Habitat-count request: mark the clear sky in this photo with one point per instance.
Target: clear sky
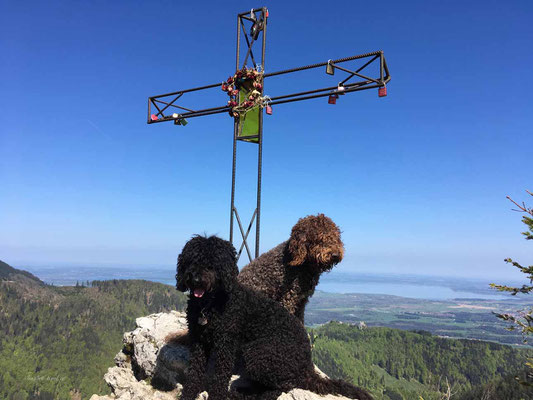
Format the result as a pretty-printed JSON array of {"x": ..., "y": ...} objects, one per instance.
[{"x": 417, "y": 180}]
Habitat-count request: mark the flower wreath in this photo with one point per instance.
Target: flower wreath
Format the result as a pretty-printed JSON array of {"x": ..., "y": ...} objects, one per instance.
[{"x": 251, "y": 82}]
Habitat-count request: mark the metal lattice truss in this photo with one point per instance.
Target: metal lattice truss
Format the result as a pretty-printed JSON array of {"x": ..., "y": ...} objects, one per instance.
[{"x": 360, "y": 72}]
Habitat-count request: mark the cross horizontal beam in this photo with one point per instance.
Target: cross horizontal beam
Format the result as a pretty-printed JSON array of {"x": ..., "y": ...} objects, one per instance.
[{"x": 164, "y": 105}]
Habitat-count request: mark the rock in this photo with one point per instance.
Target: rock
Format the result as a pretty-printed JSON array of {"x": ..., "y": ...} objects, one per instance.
[
  {"x": 149, "y": 368},
  {"x": 150, "y": 354},
  {"x": 126, "y": 387}
]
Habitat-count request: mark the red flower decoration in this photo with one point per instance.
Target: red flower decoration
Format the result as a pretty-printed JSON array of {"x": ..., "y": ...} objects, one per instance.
[{"x": 231, "y": 86}]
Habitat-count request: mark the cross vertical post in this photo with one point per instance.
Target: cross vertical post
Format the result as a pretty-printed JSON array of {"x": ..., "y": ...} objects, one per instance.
[{"x": 258, "y": 19}]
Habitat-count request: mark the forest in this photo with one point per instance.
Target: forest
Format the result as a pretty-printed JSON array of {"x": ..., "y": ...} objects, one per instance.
[
  {"x": 57, "y": 342},
  {"x": 396, "y": 364}
]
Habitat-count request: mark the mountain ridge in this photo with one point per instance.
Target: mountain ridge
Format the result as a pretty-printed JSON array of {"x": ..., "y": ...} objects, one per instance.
[{"x": 8, "y": 272}]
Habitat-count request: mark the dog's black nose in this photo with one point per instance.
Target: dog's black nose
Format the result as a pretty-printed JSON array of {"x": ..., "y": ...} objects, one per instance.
[
  {"x": 196, "y": 280},
  {"x": 335, "y": 257}
]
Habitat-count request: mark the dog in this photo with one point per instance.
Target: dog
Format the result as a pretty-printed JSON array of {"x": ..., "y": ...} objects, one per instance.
[
  {"x": 290, "y": 271},
  {"x": 227, "y": 320}
]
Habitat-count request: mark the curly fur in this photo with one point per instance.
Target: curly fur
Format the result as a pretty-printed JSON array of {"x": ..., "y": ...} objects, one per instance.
[
  {"x": 225, "y": 319},
  {"x": 290, "y": 271}
]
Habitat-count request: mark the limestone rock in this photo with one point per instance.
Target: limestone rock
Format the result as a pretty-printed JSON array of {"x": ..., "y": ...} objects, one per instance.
[
  {"x": 126, "y": 387},
  {"x": 150, "y": 354}
]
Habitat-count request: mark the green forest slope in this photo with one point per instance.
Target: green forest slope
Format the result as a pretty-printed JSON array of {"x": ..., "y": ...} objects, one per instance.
[
  {"x": 396, "y": 364},
  {"x": 57, "y": 342}
]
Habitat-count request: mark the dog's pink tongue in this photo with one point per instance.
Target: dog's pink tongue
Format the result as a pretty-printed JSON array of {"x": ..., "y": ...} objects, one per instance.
[{"x": 199, "y": 292}]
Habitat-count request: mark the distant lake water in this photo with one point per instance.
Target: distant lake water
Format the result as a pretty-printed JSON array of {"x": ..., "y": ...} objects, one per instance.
[
  {"x": 414, "y": 286},
  {"x": 417, "y": 291}
]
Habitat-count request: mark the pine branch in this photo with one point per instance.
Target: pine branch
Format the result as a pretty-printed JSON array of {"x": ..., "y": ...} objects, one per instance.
[
  {"x": 523, "y": 320},
  {"x": 529, "y": 222},
  {"x": 522, "y": 207},
  {"x": 514, "y": 290}
]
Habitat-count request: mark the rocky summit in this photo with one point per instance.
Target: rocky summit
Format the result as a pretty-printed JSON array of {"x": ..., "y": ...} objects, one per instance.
[{"x": 151, "y": 367}]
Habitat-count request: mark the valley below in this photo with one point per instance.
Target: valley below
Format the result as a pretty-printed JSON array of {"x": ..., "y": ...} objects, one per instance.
[{"x": 468, "y": 318}]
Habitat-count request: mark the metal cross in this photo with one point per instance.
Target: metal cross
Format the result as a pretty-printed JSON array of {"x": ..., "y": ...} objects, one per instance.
[{"x": 252, "y": 27}]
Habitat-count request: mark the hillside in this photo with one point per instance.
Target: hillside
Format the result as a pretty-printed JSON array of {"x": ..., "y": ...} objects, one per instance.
[
  {"x": 57, "y": 342},
  {"x": 398, "y": 364},
  {"x": 8, "y": 273}
]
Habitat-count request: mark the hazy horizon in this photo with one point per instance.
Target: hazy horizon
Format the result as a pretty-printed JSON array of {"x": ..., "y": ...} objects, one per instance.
[
  {"x": 339, "y": 280},
  {"x": 340, "y": 269}
]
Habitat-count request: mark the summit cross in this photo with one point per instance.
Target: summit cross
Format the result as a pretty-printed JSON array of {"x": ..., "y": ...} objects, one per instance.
[{"x": 245, "y": 91}]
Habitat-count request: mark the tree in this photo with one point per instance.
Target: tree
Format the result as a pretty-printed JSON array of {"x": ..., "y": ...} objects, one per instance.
[{"x": 522, "y": 319}]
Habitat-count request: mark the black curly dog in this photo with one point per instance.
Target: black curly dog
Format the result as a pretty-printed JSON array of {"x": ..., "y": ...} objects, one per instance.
[{"x": 227, "y": 320}]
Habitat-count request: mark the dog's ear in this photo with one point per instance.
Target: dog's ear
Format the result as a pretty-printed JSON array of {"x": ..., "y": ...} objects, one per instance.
[
  {"x": 225, "y": 259},
  {"x": 298, "y": 243},
  {"x": 180, "y": 275}
]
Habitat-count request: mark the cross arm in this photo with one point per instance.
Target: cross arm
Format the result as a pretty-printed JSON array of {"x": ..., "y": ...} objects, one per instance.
[{"x": 165, "y": 107}]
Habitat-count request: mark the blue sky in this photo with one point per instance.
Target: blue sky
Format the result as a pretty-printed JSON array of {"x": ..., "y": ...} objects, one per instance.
[{"x": 417, "y": 180}]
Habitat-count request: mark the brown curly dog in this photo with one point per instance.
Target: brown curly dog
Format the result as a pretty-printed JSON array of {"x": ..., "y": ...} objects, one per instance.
[{"x": 290, "y": 271}]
